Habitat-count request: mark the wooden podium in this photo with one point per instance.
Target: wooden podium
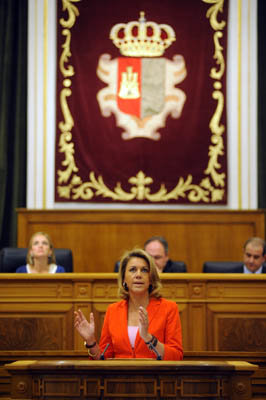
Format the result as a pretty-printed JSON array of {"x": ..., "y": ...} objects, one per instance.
[{"x": 130, "y": 379}]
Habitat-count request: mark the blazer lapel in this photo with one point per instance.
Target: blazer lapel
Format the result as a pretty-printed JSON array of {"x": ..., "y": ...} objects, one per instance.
[
  {"x": 122, "y": 322},
  {"x": 153, "y": 308}
]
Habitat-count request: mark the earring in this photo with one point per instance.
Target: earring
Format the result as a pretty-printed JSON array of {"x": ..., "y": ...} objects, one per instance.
[
  {"x": 125, "y": 286},
  {"x": 150, "y": 288}
]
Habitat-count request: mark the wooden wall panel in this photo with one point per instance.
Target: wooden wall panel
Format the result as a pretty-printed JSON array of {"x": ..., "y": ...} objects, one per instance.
[
  {"x": 33, "y": 326},
  {"x": 197, "y": 327},
  {"x": 99, "y": 310},
  {"x": 98, "y": 238},
  {"x": 184, "y": 317},
  {"x": 235, "y": 327},
  {"x": 219, "y": 312}
]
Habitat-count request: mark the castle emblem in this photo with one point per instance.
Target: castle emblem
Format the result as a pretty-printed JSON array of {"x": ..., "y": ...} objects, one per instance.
[{"x": 140, "y": 89}]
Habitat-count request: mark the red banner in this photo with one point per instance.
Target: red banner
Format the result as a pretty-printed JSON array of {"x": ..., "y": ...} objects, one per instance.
[{"x": 141, "y": 102}]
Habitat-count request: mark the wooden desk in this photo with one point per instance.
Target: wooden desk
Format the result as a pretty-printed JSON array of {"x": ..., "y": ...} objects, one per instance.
[
  {"x": 258, "y": 378},
  {"x": 118, "y": 380}
]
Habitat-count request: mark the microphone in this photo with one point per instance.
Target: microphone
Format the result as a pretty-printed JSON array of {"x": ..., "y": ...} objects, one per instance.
[
  {"x": 102, "y": 354},
  {"x": 151, "y": 347}
]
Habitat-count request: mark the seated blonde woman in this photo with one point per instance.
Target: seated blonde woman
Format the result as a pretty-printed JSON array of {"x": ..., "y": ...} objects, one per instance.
[{"x": 40, "y": 256}]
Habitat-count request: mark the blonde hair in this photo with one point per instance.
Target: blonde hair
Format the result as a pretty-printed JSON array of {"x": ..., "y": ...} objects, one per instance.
[
  {"x": 155, "y": 282},
  {"x": 51, "y": 258}
]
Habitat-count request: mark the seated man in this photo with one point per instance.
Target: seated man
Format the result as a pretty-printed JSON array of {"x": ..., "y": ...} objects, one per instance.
[
  {"x": 254, "y": 256},
  {"x": 157, "y": 247}
]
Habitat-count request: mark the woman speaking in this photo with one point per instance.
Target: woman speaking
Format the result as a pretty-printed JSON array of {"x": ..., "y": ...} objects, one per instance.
[{"x": 142, "y": 324}]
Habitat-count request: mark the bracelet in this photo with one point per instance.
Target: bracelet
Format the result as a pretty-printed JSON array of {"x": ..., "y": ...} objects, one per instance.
[
  {"x": 89, "y": 346},
  {"x": 150, "y": 341},
  {"x": 153, "y": 341},
  {"x": 92, "y": 355}
]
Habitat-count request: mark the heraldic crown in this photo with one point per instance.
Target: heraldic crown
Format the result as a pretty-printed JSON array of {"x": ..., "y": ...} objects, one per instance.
[{"x": 141, "y": 38}]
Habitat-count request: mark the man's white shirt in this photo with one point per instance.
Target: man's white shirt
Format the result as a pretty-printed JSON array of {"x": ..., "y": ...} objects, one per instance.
[{"x": 247, "y": 271}]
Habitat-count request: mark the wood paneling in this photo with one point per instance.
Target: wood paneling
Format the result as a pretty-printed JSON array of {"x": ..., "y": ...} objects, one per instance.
[
  {"x": 99, "y": 237},
  {"x": 223, "y": 317},
  {"x": 219, "y": 312},
  {"x": 119, "y": 380}
]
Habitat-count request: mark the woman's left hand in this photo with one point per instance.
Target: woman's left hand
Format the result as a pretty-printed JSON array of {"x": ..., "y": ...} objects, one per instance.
[{"x": 143, "y": 324}]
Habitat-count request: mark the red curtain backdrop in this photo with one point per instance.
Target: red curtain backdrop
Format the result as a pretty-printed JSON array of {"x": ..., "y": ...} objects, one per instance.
[{"x": 111, "y": 145}]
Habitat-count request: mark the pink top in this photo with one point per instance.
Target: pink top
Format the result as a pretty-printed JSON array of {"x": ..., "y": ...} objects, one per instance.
[{"x": 132, "y": 333}]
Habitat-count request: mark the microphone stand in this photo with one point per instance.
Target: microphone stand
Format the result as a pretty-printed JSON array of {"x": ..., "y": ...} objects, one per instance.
[
  {"x": 151, "y": 347},
  {"x": 102, "y": 355}
]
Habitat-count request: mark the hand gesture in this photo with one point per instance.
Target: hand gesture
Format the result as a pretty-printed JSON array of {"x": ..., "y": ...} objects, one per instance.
[
  {"x": 143, "y": 323},
  {"x": 85, "y": 329}
]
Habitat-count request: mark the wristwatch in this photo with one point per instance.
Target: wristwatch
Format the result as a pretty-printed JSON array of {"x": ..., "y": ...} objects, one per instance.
[{"x": 89, "y": 346}]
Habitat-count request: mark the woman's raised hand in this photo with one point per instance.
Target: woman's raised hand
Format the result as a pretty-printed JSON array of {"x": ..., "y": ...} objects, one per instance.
[
  {"x": 85, "y": 329},
  {"x": 143, "y": 323}
]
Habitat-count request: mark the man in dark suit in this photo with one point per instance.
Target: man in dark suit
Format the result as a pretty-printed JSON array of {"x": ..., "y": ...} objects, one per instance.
[
  {"x": 157, "y": 247},
  {"x": 254, "y": 256}
]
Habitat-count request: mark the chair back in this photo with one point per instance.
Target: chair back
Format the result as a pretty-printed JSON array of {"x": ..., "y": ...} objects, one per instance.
[
  {"x": 13, "y": 257},
  {"x": 117, "y": 265},
  {"x": 180, "y": 266},
  {"x": 223, "y": 267}
]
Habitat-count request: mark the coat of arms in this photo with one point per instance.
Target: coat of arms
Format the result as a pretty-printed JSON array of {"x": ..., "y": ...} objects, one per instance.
[{"x": 141, "y": 89}]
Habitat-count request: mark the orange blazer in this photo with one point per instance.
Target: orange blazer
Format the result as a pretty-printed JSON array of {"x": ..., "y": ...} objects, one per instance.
[{"x": 164, "y": 323}]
